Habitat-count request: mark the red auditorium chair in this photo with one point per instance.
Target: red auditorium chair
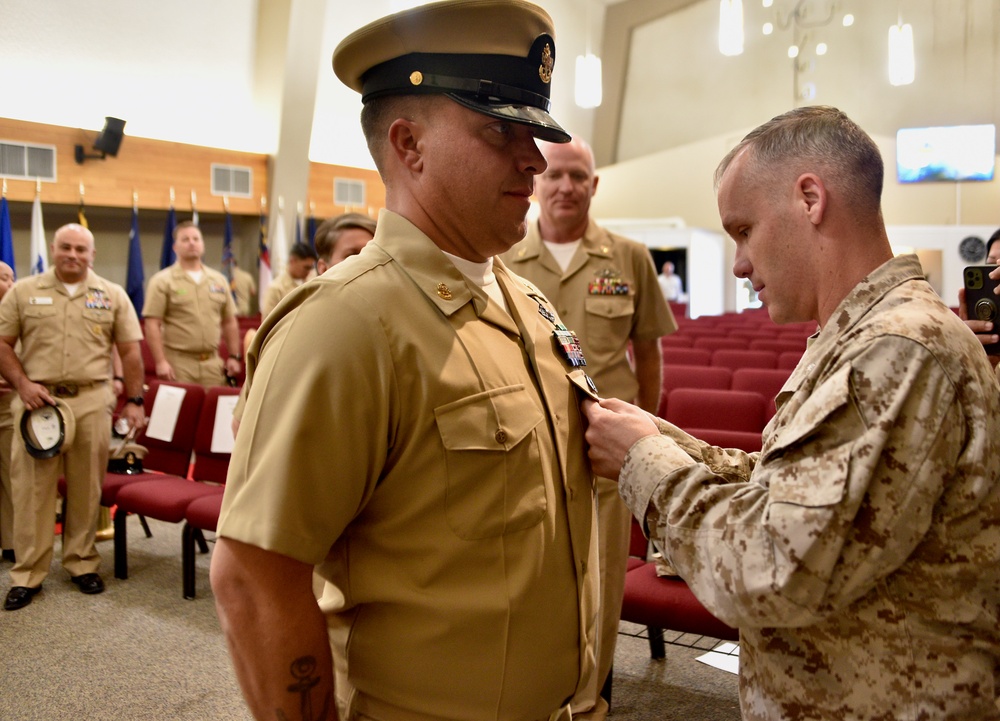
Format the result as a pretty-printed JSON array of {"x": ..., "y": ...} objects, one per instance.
[
  {"x": 687, "y": 376},
  {"x": 687, "y": 356},
  {"x": 167, "y": 498},
  {"x": 766, "y": 381},
  {"x": 721, "y": 409},
  {"x": 779, "y": 345},
  {"x": 749, "y": 441},
  {"x": 724, "y": 342},
  {"x": 664, "y": 603},
  {"x": 747, "y": 358},
  {"x": 789, "y": 359},
  {"x": 676, "y": 339}
]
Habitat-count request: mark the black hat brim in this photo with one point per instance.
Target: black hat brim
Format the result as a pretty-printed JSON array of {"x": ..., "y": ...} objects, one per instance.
[{"x": 541, "y": 123}]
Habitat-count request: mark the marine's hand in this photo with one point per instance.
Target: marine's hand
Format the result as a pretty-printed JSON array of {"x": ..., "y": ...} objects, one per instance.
[{"x": 613, "y": 426}]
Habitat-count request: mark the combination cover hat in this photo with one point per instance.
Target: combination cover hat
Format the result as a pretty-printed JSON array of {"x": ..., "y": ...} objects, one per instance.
[
  {"x": 492, "y": 56},
  {"x": 49, "y": 430}
]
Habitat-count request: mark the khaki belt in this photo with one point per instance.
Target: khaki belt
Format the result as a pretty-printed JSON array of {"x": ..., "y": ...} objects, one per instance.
[
  {"x": 195, "y": 354},
  {"x": 70, "y": 390}
]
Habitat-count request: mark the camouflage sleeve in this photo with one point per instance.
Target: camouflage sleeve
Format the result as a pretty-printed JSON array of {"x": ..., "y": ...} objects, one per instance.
[{"x": 837, "y": 501}]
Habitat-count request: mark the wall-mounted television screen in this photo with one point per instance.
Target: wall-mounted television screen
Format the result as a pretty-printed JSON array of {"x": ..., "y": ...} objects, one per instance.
[{"x": 956, "y": 152}]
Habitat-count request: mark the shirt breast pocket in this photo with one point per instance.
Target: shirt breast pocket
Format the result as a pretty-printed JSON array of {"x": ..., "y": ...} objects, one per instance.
[
  {"x": 493, "y": 463},
  {"x": 97, "y": 316},
  {"x": 35, "y": 315},
  {"x": 609, "y": 321}
]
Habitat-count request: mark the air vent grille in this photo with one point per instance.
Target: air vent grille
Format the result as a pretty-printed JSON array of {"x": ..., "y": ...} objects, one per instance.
[
  {"x": 349, "y": 193},
  {"x": 233, "y": 180},
  {"x": 27, "y": 161}
]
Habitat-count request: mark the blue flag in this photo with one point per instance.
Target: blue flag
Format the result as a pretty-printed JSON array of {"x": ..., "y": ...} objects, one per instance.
[
  {"x": 227, "y": 253},
  {"x": 6, "y": 237},
  {"x": 135, "y": 277},
  {"x": 311, "y": 226},
  {"x": 167, "y": 256}
]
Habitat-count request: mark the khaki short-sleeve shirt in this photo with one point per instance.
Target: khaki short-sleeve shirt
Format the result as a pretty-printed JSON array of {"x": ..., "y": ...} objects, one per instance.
[
  {"x": 192, "y": 313},
  {"x": 63, "y": 337},
  {"x": 607, "y": 295}
]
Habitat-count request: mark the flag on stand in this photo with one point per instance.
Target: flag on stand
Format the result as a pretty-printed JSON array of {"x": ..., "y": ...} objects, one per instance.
[
  {"x": 81, "y": 217},
  {"x": 39, "y": 252},
  {"x": 279, "y": 247},
  {"x": 311, "y": 230},
  {"x": 263, "y": 258},
  {"x": 136, "y": 276},
  {"x": 6, "y": 236},
  {"x": 167, "y": 256},
  {"x": 227, "y": 253}
]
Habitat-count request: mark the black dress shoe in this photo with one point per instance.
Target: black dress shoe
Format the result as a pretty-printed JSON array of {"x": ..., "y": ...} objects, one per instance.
[
  {"x": 19, "y": 597},
  {"x": 8, "y": 555},
  {"x": 89, "y": 583}
]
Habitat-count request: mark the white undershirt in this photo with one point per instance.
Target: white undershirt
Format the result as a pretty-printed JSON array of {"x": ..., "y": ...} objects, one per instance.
[
  {"x": 71, "y": 288},
  {"x": 195, "y": 275},
  {"x": 482, "y": 275},
  {"x": 563, "y": 252}
]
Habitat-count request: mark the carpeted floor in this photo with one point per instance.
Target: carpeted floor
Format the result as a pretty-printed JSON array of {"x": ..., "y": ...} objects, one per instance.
[{"x": 140, "y": 651}]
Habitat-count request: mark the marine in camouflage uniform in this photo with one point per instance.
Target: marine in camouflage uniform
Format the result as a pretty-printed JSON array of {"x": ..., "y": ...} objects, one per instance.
[{"x": 858, "y": 552}]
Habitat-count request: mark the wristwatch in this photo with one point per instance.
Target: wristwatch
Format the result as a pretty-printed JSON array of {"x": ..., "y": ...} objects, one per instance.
[
  {"x": 136, "y": 400},
  {"x": 236, "y": 356}
]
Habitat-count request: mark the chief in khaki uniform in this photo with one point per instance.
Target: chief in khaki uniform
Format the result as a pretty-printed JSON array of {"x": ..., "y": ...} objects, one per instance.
[
  {"x": 6, "y": 437},
  {"x": 188, "y": 309},
  {"x": 340, "y": 237},
  {"x": 301, "y": 266},
  {"x": 858, "y": 552},
  {"x": 604, "y": 287},
  {"x": 413, "y": 428},
  {"x": 67, "y": 319}
]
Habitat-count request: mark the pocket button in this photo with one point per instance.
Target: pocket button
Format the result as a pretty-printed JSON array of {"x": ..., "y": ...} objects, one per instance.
[{"x": 500, "y": 435}]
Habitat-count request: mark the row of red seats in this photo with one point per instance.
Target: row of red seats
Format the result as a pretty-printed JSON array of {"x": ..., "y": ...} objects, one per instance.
[
  {"x": 173, "y": 488},
  {"x": 732, "y": 358}
]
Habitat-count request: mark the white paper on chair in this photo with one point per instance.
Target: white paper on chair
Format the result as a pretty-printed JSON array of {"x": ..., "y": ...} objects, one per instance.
[
  {"x": 166, "y": 411},
  {"x": 725, "y": 656},
  {"x": 222, "y": 433}
]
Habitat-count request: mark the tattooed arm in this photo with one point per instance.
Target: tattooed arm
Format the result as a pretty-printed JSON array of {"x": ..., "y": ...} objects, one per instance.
[{"x": 276, "y": 632}]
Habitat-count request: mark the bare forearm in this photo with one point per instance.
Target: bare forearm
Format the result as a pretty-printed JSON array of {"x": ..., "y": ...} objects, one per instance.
[
  {"x": 649, "y": 373},
  {"x": 276, "y": 633},
  {"x": 154, "y": 338}
]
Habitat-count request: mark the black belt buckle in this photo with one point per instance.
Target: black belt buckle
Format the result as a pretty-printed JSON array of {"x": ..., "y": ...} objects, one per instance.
[{"x": 67, "y": 390}]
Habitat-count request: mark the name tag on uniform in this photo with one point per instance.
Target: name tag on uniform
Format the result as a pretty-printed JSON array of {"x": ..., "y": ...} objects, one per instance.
[{"x": 39, "y": 300}]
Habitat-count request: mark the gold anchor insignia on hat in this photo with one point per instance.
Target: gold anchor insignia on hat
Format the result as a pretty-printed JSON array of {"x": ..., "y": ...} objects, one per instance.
[
  {"x": 545, "y": 69},
  {"x": 444, "y": 291},
  {"x": 416, "y": 77}
]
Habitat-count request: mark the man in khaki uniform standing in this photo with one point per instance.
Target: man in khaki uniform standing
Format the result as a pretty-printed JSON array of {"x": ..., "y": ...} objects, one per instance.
[
  {"x": 188, "y": 309},
  {"x": 67, "y": 319},
  {"x": 6, "y": 437},
  {"x": 301, "y": 266},
  {"x": 412, "y": 429},
  {"x": 604, "y": 287}
]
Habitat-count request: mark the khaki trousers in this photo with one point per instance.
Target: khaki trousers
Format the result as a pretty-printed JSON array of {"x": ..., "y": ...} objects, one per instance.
[
  {"x": 6, "y": 493},
  {"x": 34, "y": 488},
  {"x": 190, "y": 368},
  {"x": 614, "y": 524}
]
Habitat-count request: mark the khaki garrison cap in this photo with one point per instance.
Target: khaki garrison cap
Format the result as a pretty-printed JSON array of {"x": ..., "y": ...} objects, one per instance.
[{"x": 492, "y": 56}]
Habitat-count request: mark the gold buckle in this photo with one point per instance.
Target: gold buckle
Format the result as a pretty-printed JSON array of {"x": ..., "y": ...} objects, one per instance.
[{"x": 66, "y": 390}]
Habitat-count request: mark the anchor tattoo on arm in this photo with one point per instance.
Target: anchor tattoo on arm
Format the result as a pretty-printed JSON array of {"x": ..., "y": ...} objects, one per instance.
[{"x": 304, "y": 671}]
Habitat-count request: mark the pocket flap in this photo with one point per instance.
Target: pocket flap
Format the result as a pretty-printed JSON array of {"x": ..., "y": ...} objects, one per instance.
[
  {"x": 495, "y": 420},
  {"x": 824, "y": 400},
  {"x": 609, "y": 306}
]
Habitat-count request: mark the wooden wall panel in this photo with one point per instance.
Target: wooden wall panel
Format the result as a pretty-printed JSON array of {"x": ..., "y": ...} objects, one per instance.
[
  {"x": 321, "y": 177},
  {"x": 152, "y": 167},
  {"x": 148, "y": 167}
]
